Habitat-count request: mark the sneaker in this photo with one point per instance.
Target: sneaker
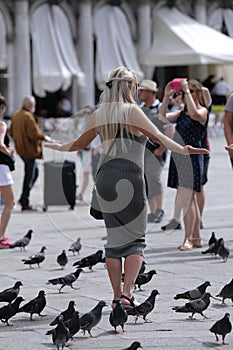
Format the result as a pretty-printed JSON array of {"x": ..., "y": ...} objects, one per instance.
[
  {"x": 172, "y": 225},
  {"x": 159, "y": 214},
  {"x": 4, "y": 243}
]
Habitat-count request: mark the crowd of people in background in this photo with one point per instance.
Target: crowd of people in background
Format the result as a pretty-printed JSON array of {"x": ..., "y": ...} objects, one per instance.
[{"x": 182, "y": 115}]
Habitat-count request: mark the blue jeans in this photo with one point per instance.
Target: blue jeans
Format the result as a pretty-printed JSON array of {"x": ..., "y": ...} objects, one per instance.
[{"x": 31, "y": 173}]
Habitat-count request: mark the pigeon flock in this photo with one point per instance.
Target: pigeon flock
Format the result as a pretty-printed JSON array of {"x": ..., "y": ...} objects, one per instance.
[{"x": 68, "y": 324}]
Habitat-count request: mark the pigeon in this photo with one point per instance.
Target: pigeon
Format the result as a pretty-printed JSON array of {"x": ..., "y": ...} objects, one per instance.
[
  {"x": 23, "y": 242},
  {"x": 144, "y": 278},
  {"x": 196, "y": 306},
  {"x": 36, "y": 258},
  {"x": 134, "y": 346},
  {"x": 142, "y": 270},
  {"x": 223, "y": 251},
  {"x": 212, "y": 239},
  {"x": 76, "y": 247},
  {"x": 222, "y": 327},
  {"x": 92, "y": 318},
  {"x": 194, "y": 293},
  {"x": 10, "y": 310},
  {"x": 10, "y": 294},
  {"x": 60, "y": 335},
  {"x": 144, "y": 308},
  {"x": 62, "y": 259},
  {"x": 213, "y": 248},
  {"x": 90, "y": 260},
  {"x": 67, "y": 314},
  {"x": 35, "y": 306},
  {"x": 73, "y": 325},
  {"x": 226, "y": 292},
  {"x": 118, "y": 316},
  {"x": 67, "y": 280}
]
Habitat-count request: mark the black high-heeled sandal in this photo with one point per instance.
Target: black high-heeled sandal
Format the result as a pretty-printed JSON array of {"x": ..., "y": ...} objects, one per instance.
[{"x": 130, "y": 300}]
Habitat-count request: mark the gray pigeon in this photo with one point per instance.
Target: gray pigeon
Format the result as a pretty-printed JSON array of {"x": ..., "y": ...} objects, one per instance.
[
  {"x": 10, "y": 294},
  {"x": 223, "y": 251},
  {"x": 66, "y": 280},
  {"x": 35, "y": 306},
  {"x": 193, "y": 293},
  {"x": 36, "y": 258},
  {"x": 226, "y": 292},
  {"x": 10, "y": 310},
  {"x": 73, "y": 325},
  {"x": 67, "y": 314},
  {"x": 90, "y": 260},
  {"x": 118, "y": 316},
  {"x": 144, "y": 308},
  {"x": 60, "y": 335},
  {"x": 144, "y": 278},
  {"x": 76, "y": 246},
  {"x": 134, "y": 346},
  {"x": 213, "y": 248},
  {"x": 195, "y": 306},
  {"x": 92, "y": 318},
  {"x": 62, "y": 259},
  {"x": 23, "y": 242},
  {"x": 222, "y": 327},
  {"x": 212, "y": 239}
]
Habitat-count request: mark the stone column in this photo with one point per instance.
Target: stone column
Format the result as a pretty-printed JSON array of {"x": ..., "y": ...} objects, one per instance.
[
  {"x": 22, "y": 52},
  {"x": 144, "y": 33},
  {"x": 200, "y": 10},
  {"x": 86, "y": 95}
]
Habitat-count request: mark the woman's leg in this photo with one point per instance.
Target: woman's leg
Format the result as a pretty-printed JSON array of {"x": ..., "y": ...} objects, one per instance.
[
  {"x": 196, "y": 229},
  {"x": 114, "y": 267},
  {"x": 132, "y": 267},
  {"x": 186, "y": 198},
  {"x": 84, "y": 185},
  {"x": 8, "y": 198}
]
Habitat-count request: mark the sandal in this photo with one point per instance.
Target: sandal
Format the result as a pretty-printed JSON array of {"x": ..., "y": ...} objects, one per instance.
[
  {"x": 197, "y": 242},
  {"x": 130, "y": 300},
  {"x": 187, "y": 245}
]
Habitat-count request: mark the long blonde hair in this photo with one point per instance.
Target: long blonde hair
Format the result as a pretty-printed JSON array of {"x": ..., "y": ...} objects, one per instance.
[{"x": 116, "y": 100}]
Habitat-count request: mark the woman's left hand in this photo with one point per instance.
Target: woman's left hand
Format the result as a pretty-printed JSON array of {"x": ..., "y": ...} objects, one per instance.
[
  {"x": 55, "y": 145},
  {"x": 229, "y": 148},
  {"x": 193, "y": 150}
]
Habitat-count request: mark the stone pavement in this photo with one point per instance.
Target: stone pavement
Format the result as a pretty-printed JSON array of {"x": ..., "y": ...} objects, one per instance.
[{"x": 176, "y": 271}]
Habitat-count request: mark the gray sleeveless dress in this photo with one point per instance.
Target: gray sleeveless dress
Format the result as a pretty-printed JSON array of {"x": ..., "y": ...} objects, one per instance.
[{"x": 121, "y": 187}]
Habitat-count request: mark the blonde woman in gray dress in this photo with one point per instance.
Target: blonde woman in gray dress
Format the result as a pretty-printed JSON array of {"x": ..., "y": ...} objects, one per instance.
[{"x": 123, "y": 129}]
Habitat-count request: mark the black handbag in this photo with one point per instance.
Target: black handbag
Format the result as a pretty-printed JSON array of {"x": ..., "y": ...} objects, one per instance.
[
  {"x": 7, "y": 160},
  {"x": 95, "y": 210}
]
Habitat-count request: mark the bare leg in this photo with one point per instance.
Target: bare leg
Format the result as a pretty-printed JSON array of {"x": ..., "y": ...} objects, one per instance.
[
  {"x": 201, "y": 200},
  {"x": 132, "y": 267},
  {"x": 155, "y": 202},
  {"x": 8, "y": 197},
  {"x": 177, "y": 207},
  {"x": 114, "y": 267},
  {"x": 84, "y": 185}
]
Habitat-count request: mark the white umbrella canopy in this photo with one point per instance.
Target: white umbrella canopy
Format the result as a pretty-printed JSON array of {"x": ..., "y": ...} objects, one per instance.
[{"x": 180, "y": 40}]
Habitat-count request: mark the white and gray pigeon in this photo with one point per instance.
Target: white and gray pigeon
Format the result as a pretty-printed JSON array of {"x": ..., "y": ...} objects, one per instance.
[
  {"x": 60, "y": 335},
  {"x": 62, "y": 259},
  {"x": 196, "y": 306},
  {"x": 223, "y": 251},
  {"x": 35, "y": 306},
  {"x": 144, "y": 278},
  {"x": 73, "y": 324},
  {"x": 213, "y": 248},
  {"x": 144, "y": 308},
  {"x": 212, "y": 239},
  {"x": 22, "y": 242},
  {"x": 76, "y": 246},
  {"x": 92, "y": 318},
  {"x": 134, "y": 346},
  {"x": 118, "y": 316},
  {"x": 67, "y": 313},
  {"x": 90, "y": 260},
  {"x": 66, "y": 280},
  {"x": 195, "y": 293},
  {"x": 226, "y": 292},
  {"x": 222, "y": 327},
  {"x": 36, "y": 258},
  {"x": 10, "y": 294}
]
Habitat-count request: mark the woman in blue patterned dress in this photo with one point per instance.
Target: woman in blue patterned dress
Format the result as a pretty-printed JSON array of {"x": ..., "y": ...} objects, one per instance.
[{"x": 185, "y": 173}]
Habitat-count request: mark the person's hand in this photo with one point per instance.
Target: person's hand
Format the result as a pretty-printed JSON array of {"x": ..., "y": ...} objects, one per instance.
[
  {"x": 229, "y": 148},
  {"x": 53, "y": 145},
  {"x": 11, "y": 151},
  {"x": 193, "y": 150},
  {"x": 169, "y": 91},
  {"x": 184, "y": 85}
]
